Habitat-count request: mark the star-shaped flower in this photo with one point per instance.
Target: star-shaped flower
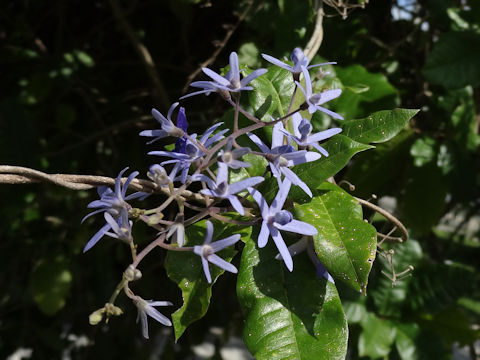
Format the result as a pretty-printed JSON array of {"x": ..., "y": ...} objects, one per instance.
[
  {"x": 299, "y": 60},
  {"x": 276, "y": 219},
  {"x": 303, "y": 137},
  {"x": 191, "y": 152},
  {"x": 229, "y": 156},
  {"x": 168, "y": 128},
  {"x": 208, "y": 249},
  {"x": 221, "y": 189},
  {"x": 114, "y": 201},
  {"x": 282, "y": 157},
  {"x": 229, "y": 83},
  {"x": 313, "y": 101},
  {"x": 147, "y": 307}
]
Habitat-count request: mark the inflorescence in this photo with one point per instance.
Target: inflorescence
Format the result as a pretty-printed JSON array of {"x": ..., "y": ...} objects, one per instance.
[{"x": 209, "y": 159}]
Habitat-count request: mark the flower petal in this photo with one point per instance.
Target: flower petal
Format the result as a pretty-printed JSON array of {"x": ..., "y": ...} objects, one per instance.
[
  {"x": 225, "y": 265},
  {"x": 222, "y": 244},
  {"x": 262, "y": 204},
  {"x": 282, "y": 194},
  {"x": 328, "y": 95},
  {"x": 265, "y": 149},
  {"x": 206, "y": 270},
  {"x": 252, "y": 76},
  {"x": 282, "y": 248},
  {"x": 209, "y": 233},
  {"x": 298, "y": 227},
  {"x": 154, "y": 313},
  {"x": 236, "y": 204},
  {"x": 263, "y": 236},
  {"x": 98, "y": 235},
  {"x": 277, "y": 62},
  {"x": 219, "y": 79},
  {"x": 244, "y": 184}
]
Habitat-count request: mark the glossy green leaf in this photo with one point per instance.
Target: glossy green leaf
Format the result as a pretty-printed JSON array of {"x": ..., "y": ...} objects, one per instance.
[
  {"x": 272, "y": 93},
  {"x": 345, "y": 244},
  {"x": 379, "y": 127},
  {"x": 50, "y": 284},
  {"x": 185, "y": 268},
  {"x": 454, "y": 60},
  {"x": 377, "y": 92},
  {"x": 340, "y": 148},
  {"x": 376, "y": 338},
  {"x": 289, "y": 315}
]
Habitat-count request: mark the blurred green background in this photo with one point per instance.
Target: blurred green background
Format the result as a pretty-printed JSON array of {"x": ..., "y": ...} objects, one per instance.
[{"x": 75, "y": 92}]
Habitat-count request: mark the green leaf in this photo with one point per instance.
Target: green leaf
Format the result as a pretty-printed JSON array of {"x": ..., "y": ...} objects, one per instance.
[
  {"x": 340, "y": 148},
  {"x": 289, "y": 315},
  {"x": 259, "y": 164},
  {"x": 454, "y": 60},
  {"x": 377, "y": 171},
  {"x": 405, "y": 341},
  {"x": 377, "y": 92},
  {"x": 185, "y": 268},
  {"x": 423, "y": 151},
  {"x": 272, "y": 93},
  {"x": 376, "y": 338},
  {"x": 248, "y": 55},
  {"x": 50, "y": 284},
  {"x": 378, "y": 127},
  {"x": 345, "y": 244}
]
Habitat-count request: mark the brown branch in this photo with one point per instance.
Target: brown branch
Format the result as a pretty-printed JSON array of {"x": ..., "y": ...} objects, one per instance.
[
  {"x": 220, "y": 46},
  {"x": 389, "y": 217},
  {"x": 22, "y": 175},
  {"x": 317, "y": 37},
  {"x": 146, "y": 58}
]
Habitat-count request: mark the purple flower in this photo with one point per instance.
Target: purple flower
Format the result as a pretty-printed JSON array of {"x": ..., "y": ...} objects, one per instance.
[
  {"x": 182, "y": 123},
  {"x": 114, "y": 203},
  {"x": 224, "y": 84},
  {"x": 276, "y": 219},
  {"x": 168, "y": 129},
  {"x": 208, "y": 249},
  {"x": 313, "y": 101},
  {"x": 221, "y": 189},
  {"x": 303, "y": 137},
  {"x": 229, "y": 156},
  {"x": 147, "y": 307},
  {"x": 299, "y": 60},
  {"x": 191, "y": 152},
  {"x": 159, "y": 176},
  {"x": 177, "y": 230},
  {"x": 282, "y": 157}
]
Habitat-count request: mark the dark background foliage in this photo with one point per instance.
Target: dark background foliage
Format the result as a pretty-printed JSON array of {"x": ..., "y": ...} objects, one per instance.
[{"x": 76, "y": 90}]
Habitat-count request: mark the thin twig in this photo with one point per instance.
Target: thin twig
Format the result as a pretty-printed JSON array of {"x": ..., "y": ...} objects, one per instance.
[
  {"x": 143, "y": 53},
  {"x": 390, "y": 217},
  {"x": 317, "y": 37},
  {"x": 220, "y": 46}
]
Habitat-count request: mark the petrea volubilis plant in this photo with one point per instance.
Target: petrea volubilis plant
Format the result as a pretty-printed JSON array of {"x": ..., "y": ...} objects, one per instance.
[{"x": 227, "y": 199}]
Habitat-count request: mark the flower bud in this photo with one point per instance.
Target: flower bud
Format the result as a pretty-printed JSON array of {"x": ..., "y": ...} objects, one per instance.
[
  {"x": 112, "y": 310},
  {"x": 132, "y": 274},
  {"x": 97, "y": 316}
]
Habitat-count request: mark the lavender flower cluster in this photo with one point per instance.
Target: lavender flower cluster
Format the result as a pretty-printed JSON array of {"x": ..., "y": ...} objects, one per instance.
[{"x": 192, "y": 161}]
